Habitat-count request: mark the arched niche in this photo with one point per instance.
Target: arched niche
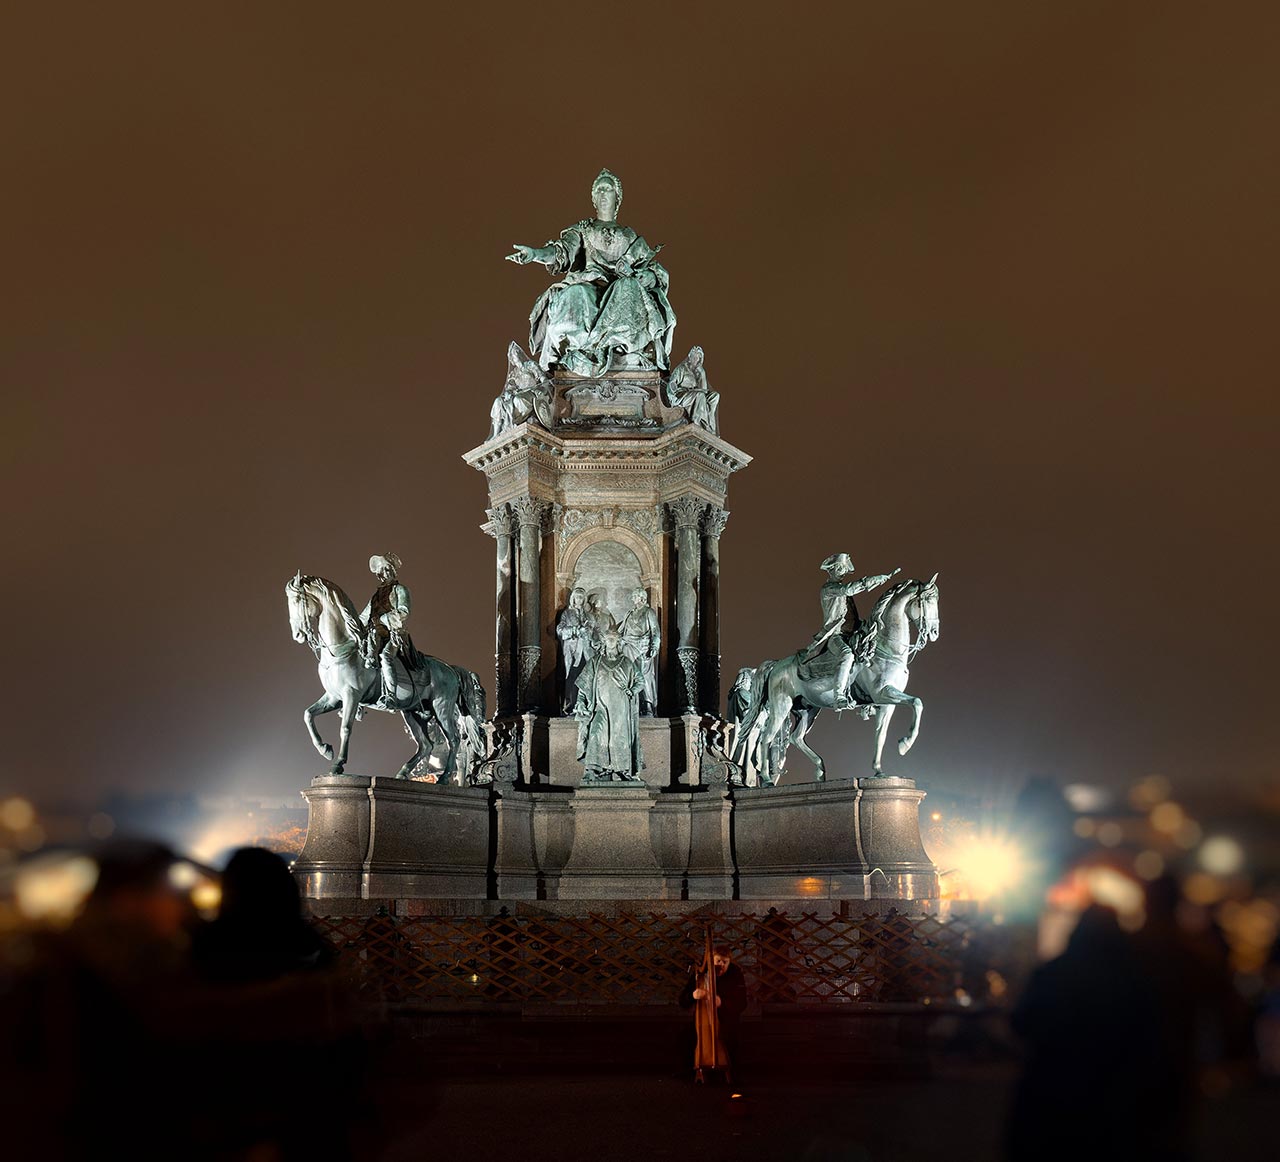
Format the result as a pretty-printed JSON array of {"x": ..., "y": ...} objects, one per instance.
[{"x": 605, "y": 562}]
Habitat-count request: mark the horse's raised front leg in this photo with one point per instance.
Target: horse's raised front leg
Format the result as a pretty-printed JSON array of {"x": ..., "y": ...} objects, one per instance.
[
  {"x": 322, "y": 705},
  {"x": 350, "y": 704},
  {"x": 414, "y": 727},
  {"x": 882, "y": 728},
  {"x": 889, "y": 697}
]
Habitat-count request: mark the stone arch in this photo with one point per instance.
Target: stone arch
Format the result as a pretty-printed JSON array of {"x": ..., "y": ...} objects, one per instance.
[
  {"x": 643, "y": 550},
  {"x": 647, "y": 568}
]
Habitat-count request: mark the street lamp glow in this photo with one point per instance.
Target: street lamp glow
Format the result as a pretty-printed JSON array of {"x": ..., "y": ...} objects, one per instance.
[
  {"x": 1220, "y": 855},
  {"x": 989, "y": 866}
]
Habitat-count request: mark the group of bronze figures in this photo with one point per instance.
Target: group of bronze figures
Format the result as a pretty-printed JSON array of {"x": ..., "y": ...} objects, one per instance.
[
  {"x": 368, "y": 660},
  {"x": 610, "y": 680},
  {"x": 608, "y": 311}
]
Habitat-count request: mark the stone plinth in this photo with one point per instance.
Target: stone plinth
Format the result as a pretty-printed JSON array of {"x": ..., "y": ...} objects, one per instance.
[
  {"x": 388, "y": 838},
  {"x": 692, "y": 839},
  {"x": 427, "y": 839},
  {"x": 889, "y": 826},
  {"x": 385, "y": 837},
  {"x": 533, "y": 841},
  {"x": 669, "y": 746},
  {"x": 612, "y": 856},
  {"x": 331, "y": 863},
  {"x": 851, "y": 838}
]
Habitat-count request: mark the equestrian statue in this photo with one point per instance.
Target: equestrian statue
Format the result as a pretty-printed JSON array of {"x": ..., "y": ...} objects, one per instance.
[
  {"x": 368, "y": 661},
  {"x": 849, "y": 665}
]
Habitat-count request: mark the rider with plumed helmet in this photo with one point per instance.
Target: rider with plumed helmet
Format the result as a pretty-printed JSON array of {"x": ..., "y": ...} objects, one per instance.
[
  {"x": 839, "y": 619},
  {"x": 384, "y": 620}
]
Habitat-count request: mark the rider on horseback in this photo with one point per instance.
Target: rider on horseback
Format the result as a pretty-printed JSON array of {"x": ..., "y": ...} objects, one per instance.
[
  {"x": 384, "y": 619},
  {"x": 840, "y": 620}
]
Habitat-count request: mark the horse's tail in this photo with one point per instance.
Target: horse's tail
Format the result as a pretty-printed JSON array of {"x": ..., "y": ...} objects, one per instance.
[
  {"x": 473, "y": 709},
  {"x": 751, "y": 716}
]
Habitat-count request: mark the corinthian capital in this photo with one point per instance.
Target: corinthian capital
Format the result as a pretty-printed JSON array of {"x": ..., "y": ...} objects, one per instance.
[
  {"x": 530, "y": 512},
  {"x": 502, "y": 522},
  {"x": 685, "y": 511},
  {"x": 714, "y": 520}
]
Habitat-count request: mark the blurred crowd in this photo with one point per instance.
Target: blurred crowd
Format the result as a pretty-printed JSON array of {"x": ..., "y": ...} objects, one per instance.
[
  {"x": 141, "y": 1030},
  {"x": 1123, "y": 1034}
]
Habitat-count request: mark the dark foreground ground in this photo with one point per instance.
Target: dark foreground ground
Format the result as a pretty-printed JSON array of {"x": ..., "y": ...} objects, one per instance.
[{"x": 951, "y": 1108}]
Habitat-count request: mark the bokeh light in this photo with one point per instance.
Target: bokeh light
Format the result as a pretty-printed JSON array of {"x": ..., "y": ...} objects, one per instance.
[
  {"x": 1110, "y": 833},
  {"x": 989, "y": 866},
  {"x": 1149, "y": 864},
  {"x": 17, "y": 814},
  {"x": 1167, "y": 817},
  {"x": 1220, "y": 855},
  {"x": 1146, "y": 793},
  {"x": 51, "y": 888}
]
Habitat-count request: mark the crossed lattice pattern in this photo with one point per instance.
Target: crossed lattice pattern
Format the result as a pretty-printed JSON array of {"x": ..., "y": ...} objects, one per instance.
[{"x": 639, "y": 959}]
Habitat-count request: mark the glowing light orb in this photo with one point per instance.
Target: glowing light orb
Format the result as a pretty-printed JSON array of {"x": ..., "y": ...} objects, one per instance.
[
  {"x": 51, "y": 890},
  {"x": 1221, "y": 855},
  {"x": 990, "y": 866},
  {"x": 17, "y": 814}
]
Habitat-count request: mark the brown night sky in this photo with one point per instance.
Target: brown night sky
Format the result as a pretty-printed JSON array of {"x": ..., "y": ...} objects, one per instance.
[{"x": 985, "y": 289}]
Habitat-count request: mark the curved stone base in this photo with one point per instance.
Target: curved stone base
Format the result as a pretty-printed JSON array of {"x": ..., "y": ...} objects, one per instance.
[
  {"x": 852, "y": 839},
  {"x": 848, "y": 838},
  {"x": 385, "y": 837}
]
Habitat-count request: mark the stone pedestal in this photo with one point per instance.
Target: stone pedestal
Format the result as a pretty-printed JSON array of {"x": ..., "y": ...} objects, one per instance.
[
  {"x": 331, "y": 863},
  {"x": 691, "y": 839},
  {"x": 898, "y": 868},
  {"x": 612, "y": 856},
  {"x": 670, "y": 747},
  {"x": 851, "y": 838},
  {"x": 418, "y": 839},
  {"x": 394, "y": 839}
]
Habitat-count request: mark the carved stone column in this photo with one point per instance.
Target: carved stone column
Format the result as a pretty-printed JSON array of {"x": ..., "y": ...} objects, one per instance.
[
  {"x": 501, "y": 525},
  {"x": 713, "y": 523},
  {"x": 529, "y": 514},
  {"x": 686, "y": 514}
]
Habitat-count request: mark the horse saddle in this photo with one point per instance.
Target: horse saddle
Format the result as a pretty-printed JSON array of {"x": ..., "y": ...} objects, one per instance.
[{"x": 824, "y": 666}]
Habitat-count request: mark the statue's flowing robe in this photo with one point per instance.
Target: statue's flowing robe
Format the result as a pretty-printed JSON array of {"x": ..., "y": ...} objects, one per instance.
[
  {"x": 608, "y": 716},
  {"x": 641, "y": 637},
  {"x": 595, "y": 309},
  {"x": 688, "y": 389},
  {"x": 574, "y": 629}
]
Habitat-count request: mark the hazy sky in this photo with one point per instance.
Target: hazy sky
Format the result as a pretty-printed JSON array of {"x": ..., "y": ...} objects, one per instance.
[{"x": 985, "y": 289}]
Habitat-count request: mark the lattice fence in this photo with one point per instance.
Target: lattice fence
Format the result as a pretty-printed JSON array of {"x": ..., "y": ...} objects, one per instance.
[{"x": 633, "y": 959}]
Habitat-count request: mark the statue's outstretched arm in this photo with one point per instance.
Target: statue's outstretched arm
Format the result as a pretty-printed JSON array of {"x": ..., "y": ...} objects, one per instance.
[{"x": 525, "y": 254}]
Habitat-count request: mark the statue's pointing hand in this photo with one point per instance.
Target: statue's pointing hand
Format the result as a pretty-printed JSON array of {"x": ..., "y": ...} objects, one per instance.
[{"x": 522, "y": 254}]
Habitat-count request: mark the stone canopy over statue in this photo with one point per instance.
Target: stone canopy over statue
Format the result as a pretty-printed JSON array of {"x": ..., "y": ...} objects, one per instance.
[{"x": 609, "y": 308}]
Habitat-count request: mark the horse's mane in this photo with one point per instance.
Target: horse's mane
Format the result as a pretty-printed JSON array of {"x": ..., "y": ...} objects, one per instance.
[
  {"x": 887, "y": 598},
  {"x": 338, "y": 597}
]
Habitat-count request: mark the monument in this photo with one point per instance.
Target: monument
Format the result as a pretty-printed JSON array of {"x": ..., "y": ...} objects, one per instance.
[{"x": 606, "y": 771}]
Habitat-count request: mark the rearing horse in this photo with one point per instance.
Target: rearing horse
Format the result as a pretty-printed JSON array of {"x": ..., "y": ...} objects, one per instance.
[
  {"x": 789, "y": 694},
  {"x": 443, "y": 697}
]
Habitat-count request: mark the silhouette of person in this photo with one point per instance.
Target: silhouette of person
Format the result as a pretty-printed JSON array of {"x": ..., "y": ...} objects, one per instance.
[
  {"x": 96, "y": 1028},
  {"x": 259, "y": 933},
  {"x": 280, "y": 999},
  {"x": 1091, "y": 1038},
  {"x": 1190, "y": 983}
]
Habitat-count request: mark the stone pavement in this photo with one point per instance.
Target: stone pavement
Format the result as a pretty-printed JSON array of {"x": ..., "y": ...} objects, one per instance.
[
  {"x": 954, "y": 1112},
  {"x": 629, "y": 1116}
]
